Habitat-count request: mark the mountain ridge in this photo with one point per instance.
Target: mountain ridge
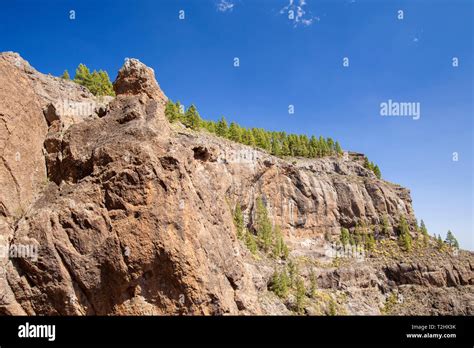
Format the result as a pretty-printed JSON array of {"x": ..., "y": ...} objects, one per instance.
[{"x": 134, "y": 215}]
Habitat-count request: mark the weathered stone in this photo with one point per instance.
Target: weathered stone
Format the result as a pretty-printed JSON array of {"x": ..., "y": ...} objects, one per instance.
[{"x": 136, "y": 217}]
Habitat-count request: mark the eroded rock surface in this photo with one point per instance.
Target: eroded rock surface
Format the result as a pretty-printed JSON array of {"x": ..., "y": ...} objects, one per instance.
[{"x": 132, "y": 215}]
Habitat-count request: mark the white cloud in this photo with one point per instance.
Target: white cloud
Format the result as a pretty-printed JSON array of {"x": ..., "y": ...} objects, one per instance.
[
  {"x": 296, "y": 13},
  {"x": 225, "y": 5}
]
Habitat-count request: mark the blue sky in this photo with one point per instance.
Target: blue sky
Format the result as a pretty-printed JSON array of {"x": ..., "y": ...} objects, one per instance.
[{"x": 298, "y": 62}]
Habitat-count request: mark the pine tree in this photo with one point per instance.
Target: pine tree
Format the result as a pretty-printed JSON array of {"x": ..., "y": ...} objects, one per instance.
[
  {"x": 171, "y": 111},
  {"x": 104, "y": 85},
  {"x": 191, "y": 118},
  {"x": 439, "y": 242},
  {"x": 338, "y": 149},
  {"x": 276, "y": 147},
  {"x": 367, "y": 163},
  {"x": 249, "y": 139},
  {"x": 313, "y": 147},
  {"x": 250, "y": 242},
  {"x": 210, "y": 126},
  {"x": 65, "y": 75},
  {"x": 451, "y": 240},
  {"x": 180, "y": 109},
  {"x": 279, "y": 283},
  {"x": 239, "y": 221},
  {"x": 344, "y": 236},
  {"x": 264, "y": 226},
  {"x": 424, "y": 232},
  {"x": 323, "y": 148},
  {"x": 261, "y": 138},
  {"x": 423, "y": 228},
  {"x": 303, "y": 145},
  {"x": 330, "y": 143},
  {"x": 377, "y": 172},
  {"x": 300, "y": 295},
  {"x": 404, "y": 236},
  {"x": 285, "y": 147},
  {"x": 234, "y": 132},
  {"x": 292, "y": 272},
  {"x": 83, "y": 75},
  {"x": 97, "y": 82},
  {"x": 280, "y": 249},
  {"x": 222, "y": 128}
]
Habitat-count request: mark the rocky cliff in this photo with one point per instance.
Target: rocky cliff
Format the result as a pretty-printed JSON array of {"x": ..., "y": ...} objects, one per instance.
[{"x": 130, "y": 214}]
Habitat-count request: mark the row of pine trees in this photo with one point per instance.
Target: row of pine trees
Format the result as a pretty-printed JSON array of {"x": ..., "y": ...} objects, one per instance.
[
  {"x": 362, "y": 235},
  {"x": 97, "y": 82},
  {"x": 276, "y": 143}
]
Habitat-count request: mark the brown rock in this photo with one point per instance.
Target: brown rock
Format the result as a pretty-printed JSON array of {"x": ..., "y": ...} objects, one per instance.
[
  {"x": 136, "y": 78},
  {"x": 137, "y": 215}
]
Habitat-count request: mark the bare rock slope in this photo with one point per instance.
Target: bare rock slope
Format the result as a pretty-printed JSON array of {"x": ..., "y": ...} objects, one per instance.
[{"x": 133, "y": 215}]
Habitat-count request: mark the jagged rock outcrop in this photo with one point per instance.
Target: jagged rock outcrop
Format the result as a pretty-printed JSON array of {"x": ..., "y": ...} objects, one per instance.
[{"x": 132, "y": 215}]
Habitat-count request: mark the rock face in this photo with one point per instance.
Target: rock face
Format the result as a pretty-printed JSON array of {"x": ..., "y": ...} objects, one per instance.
[{"x": 132, "y": 215}]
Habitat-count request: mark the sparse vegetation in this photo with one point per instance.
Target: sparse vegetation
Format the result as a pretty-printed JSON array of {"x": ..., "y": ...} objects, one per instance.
[
  {"x": 326, "y": 303},
  {"x": 267, "y": 238},
  {"x": 332, "y": 311},
  {"x": 386, "y": 227},
  {"x": 389, "y": 304},
  {"x": 370, "y": 242}
]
